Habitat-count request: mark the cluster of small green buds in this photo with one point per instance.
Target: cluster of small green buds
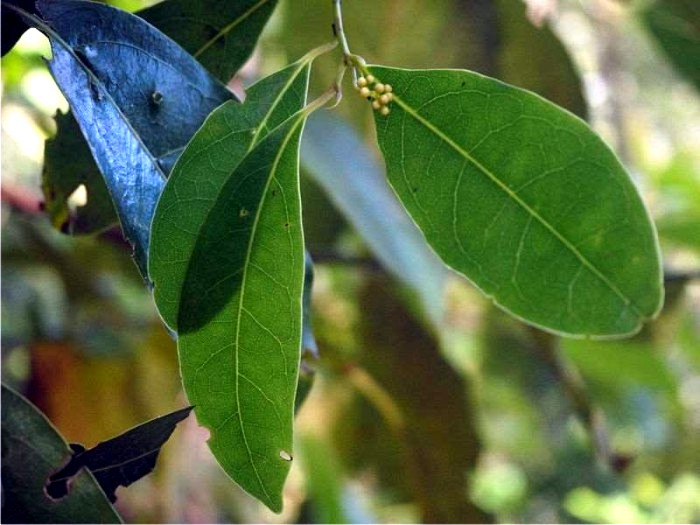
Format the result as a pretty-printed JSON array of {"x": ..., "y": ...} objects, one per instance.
[{"x": 379, "y": 94}]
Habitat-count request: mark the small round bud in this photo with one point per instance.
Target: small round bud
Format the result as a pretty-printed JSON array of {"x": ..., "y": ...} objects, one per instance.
[
  {"x": 384, "y": 99},
  {"x": 389, "y": 96},
  {"x": 388, "y": 88},
  {"x": 379, "y": 87},
  {"x": 365, "y": 92},
  {"x": 385, "y": 111},
  {"x": 361, "y": 82},
  {"x": 370, "y": 79},
  {"x": 376, "y": 104}
]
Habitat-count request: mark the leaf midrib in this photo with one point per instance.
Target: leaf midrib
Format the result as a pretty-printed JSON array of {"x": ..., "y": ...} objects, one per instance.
[
  {"x": 239, "y": 315},
  {"x": 229, "y": 27},
  {"x": 491, "y": 176},
  {"x": 254, "y": 141}
]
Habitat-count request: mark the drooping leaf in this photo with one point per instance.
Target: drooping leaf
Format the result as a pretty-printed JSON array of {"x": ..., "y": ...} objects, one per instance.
[
  {"x": 68, "y": 163},
  {"x": 31, "y": 450},
  {"x": 227, "y": 261},
  {"x": 338, "y": 160},
  {"x": 137, "y": 96},
  {"x": 676, "y": 26},
  {"x": 220, "y": 34},
  {"x": 523, "y": 199},
  {"x": 121, "y": 460}
]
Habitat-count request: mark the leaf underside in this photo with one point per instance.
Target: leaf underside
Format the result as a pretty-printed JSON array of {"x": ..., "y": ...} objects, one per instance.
[
  {"x": 522, "y": 198},
  {"x": 227, "y": 261}
]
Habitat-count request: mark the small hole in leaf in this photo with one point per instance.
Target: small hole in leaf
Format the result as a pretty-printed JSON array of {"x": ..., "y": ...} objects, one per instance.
[
  {"x": 243, "y": 213},
  {"x": 285, "y": 455}
]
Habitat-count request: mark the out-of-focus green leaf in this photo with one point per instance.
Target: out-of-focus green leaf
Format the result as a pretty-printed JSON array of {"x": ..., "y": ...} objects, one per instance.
[
  {"x": 522, "y": 198},
  {"x": 140, "y": 85},
  {"x": 337, "y": 159},
  {"x": 31, "y": 450},
  {"x": 534, "y": 58},
  {"x": 220, "y": 34},
  {"x": 676, "y": 26},
  {"x": 616, "y": 364},
  {"x": 68, "y": 163},
  {"x": 428, "y": 418},
  {"x": 324, "y": 480}
]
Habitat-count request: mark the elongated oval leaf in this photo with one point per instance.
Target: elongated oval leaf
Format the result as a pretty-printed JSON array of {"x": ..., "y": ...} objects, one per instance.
[
  {"x": 197, "y": 182},
  {"x": 522, "y": 198},
  {"x": 129, "y": 87},
  {"x": 240, "y": 366},
  {"x": 31, "y": 450},
  {"x": 227, "y": 261},
  {"x": 220, "y": 34}
]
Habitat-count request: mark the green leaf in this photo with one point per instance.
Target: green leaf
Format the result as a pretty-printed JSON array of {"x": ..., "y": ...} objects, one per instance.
[
  {"x": 68, "y": 163},
  {"x": 676, "y": 26},
  {"x": 522, "y": 198},
  {"x": 31, "y": 450},
  {"x": 227, "y": 262},
  {"x": 214, "y": 153},
  {"x": 220, "y": 34}
]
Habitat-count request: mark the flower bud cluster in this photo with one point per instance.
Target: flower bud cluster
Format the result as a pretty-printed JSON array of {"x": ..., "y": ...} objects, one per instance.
[{"x": 379, "y": 94}]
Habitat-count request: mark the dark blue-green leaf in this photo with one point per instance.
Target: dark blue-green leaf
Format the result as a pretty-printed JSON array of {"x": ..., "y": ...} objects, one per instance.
[
  {"x": 522, "y": 198},
  {"x": 137, "y": 96}
]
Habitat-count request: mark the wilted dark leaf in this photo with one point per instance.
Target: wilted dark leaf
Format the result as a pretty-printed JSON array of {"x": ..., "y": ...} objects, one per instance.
[
  {"x": 119, "y": 461},
  {"x": 676, "y": 26}
]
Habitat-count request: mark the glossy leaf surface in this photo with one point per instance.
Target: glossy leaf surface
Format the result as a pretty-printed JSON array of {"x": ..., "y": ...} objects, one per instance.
[
  {"x": 137, "y": 96},
  {"x": 220, "y": 34},
  {"x": 228, "y": 268},
  {"x": 31, "y": 450},
  {"x": 522, "y": 198}
]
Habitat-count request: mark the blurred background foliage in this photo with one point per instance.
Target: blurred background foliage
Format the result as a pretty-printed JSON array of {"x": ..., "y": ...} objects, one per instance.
[{"x": 429, "y": 404}]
